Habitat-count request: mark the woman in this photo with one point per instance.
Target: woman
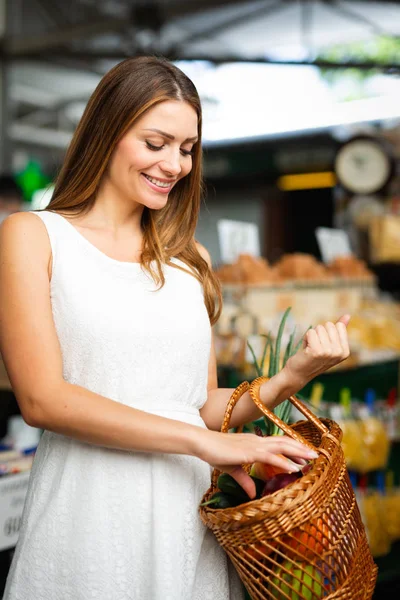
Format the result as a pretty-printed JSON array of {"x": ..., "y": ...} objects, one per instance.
[{"x": 105, "y": 312}]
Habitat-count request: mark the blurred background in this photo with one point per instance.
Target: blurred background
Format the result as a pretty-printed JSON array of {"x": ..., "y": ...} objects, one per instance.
[{"x": 302, "y": 204}]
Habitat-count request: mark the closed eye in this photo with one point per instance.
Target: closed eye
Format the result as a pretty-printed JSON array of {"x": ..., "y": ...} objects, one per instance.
[
  {"x": 152, "y": 147},
  {"x": 157, "y": 148}
]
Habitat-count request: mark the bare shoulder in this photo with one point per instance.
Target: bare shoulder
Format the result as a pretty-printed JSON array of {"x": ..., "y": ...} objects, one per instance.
[
  {"x": 24, "y": 232},
  {"x": 204, "y": 253},
  {"x": 23, "y": 224},
  {"x": 20, "y": 222}
]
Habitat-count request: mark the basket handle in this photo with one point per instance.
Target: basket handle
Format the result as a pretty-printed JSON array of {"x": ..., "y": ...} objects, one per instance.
[
  {"x": 254, "y": 391},
  {"x": 233, "y": 400}
]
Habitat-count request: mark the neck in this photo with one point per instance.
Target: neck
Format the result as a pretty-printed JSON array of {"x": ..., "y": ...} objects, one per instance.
[{"x": 115, "y": 213}]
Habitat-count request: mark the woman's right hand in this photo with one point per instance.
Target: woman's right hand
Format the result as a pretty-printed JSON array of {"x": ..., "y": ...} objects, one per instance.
[{"x": 228, "y": 452}]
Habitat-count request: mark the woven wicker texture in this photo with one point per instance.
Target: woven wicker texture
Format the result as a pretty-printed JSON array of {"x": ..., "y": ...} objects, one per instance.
[{"x": 306, "y": 541}]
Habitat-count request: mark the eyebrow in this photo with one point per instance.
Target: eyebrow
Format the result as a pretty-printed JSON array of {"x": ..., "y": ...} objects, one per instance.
[{"x": 171, "y": 137}]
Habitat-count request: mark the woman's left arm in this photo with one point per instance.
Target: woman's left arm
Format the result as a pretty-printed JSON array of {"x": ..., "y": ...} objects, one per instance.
[
  {"x": 323, "y": 347},
  {"x": 273, "y": 392}
]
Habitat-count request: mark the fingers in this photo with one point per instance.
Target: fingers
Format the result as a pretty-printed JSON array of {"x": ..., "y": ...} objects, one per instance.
[
  {"x": 313, "y": 341},
  {"x": 344, "y": 341},
  {"x": 278, "y": 450},
  {"x": 330, "y": 340},
  {"x": 323, "y": 338},
  {"x": 233, "y": 451},
  {"x": 333, "y": 345},
  {"x": 345, "y": 319},
  {"x": 281, "y": 462},
  {"x": 300, "y": 461},
  {"x": 333, "y": 335},
  {"x": 281, "y": 444},
  {"x": 285, "y": 453},
  {"x": 243, "y": 480}
]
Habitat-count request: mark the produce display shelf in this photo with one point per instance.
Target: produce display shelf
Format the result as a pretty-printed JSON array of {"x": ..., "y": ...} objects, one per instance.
[{"x": 381, "y": 376}]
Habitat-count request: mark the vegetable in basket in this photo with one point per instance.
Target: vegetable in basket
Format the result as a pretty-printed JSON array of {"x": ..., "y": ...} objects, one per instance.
[
  {"x": 280, "y": 481},
  {"x": 227, "y": 484},
  {"x": 219, "y": 500},
  {"x": 309, "y": 541},
  {"x": 231, "y": 493},
  {"x": 304, "y": 583}
]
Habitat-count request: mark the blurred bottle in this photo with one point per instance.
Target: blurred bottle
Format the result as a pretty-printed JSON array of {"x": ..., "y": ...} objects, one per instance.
[
  {"x": 352, "y": 440},
  {"x": 372, "y": 504},
  {"x": 376, "y": 440}
]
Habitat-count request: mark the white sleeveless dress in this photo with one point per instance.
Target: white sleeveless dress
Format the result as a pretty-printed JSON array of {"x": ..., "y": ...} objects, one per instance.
[{"x": 107, "y": 524}]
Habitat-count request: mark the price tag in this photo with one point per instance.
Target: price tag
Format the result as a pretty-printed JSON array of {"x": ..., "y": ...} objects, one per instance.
[
  {"x": 332, "y": 243},
  {"x": 12, "y": 499},
  {"x": 237, "y": 237}
]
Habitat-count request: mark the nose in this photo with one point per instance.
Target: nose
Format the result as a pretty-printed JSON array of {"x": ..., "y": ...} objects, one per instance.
[{"x": 172, "y": 165}]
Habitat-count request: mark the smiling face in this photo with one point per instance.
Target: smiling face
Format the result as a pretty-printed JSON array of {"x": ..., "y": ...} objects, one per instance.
[{"x": 154, "y": 154}]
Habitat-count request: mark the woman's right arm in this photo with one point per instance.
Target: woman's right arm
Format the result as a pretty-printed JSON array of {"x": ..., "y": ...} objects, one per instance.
[{"x": 32, "y": 356}]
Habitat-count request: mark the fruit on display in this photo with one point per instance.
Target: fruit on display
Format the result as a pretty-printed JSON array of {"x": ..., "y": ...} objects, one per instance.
[
  {"x": 352, "y": 444},
  {"x": 376, "y": 443},
  {"x": 372, "y": 507},
  {"x": 392, "y": 513},
  {"x": 376, "y": 326},
  {"x": 365, "y": 441}
]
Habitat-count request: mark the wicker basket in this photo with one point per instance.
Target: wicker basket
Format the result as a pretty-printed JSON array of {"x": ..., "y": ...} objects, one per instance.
[{"x": 306, "y": 541}]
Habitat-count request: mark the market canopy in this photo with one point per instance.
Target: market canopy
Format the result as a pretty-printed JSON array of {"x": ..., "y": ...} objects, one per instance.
[{"x": 58, "y": 51}]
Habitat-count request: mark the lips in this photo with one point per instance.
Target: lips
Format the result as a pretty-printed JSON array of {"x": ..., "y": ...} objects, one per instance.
[
  {"x": 159, "y": 182},
  {"x": 158, "y": 185}
]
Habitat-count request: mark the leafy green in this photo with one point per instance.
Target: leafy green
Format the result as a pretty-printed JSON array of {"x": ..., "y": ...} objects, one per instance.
[
  {"x": 284, "y": 408},
  {"x": 278, "y": 341},
  {"x": 255, "y": 362},
  {"x": 268, "y": 344}
]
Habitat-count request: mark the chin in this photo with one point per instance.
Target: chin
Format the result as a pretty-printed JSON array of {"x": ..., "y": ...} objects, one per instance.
[{"x": 155, "y": 204}]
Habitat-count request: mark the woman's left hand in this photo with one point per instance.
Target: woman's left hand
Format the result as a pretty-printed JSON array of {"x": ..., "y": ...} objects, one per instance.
[{"x": 323, "y": 347}]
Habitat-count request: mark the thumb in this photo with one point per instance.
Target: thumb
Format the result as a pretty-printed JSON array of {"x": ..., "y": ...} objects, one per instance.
[
  {"x": 244, "y": 480},
  {"x": 345, "y": 319}
]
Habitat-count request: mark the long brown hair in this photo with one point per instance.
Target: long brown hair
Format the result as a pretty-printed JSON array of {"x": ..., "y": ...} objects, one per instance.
[{"x": 123, "y": 95}]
